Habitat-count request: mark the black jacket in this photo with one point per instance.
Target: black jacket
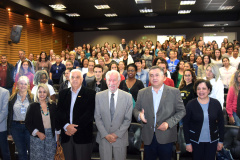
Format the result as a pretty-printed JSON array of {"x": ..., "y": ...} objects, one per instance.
[
  {"x": 34, "y": 118},
  {"x": 174, "y": 77},
  {"x": 193, "y": 121},
  {"x": 10, "y": 111},
  {"x": 10, "y": 73},
  {"x": 83, "y": 114},
  {"x": 92, "y": 85}
]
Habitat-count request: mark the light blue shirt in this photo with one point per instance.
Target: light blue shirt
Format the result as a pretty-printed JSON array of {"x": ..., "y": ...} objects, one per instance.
[
  {"x": 73, "y": 99},
  {"x": 156, "y": 100},
  {"x": 205, "y": 132}
]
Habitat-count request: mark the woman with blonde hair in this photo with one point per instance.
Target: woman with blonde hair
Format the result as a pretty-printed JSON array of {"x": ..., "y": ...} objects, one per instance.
[
  {"x": 72, "y": 56},
  {"x": 17, "y": 109},
  {"x": 232, "y": 96},
  {"x": 40, "y": 121},
  {"x": 213, "y": 75}
]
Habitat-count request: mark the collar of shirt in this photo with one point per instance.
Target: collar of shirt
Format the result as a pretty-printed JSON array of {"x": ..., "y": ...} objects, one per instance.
[
  {"x": 20, "y": 98},
  {"x": 77, "y": 90},
  {"x": 115, "y": 97},
  {"x": 160, "y": 90}
]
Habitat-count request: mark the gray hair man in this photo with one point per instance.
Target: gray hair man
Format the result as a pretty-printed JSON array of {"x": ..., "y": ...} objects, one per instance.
[{"x": 113, "y": 114}]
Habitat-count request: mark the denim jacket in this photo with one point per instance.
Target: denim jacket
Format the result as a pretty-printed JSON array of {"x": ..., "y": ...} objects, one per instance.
[{"x": 143, "y": 77}]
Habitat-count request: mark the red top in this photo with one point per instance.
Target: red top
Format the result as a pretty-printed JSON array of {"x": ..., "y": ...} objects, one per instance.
[
  {"x": 30, "y": 77},
  {"x": 168, "y": 82},
  {"x": 231, "y": 103},
  {"x": 3, "y": 75}
]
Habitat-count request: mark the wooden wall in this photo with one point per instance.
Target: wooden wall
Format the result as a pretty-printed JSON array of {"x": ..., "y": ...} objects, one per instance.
[{"x": 35, "y": 37}]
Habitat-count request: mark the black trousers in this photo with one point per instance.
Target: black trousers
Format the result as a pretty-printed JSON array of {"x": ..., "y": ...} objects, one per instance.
[
  {"x": 73, "y": 151},
  {"x": 204, "y": 150}
]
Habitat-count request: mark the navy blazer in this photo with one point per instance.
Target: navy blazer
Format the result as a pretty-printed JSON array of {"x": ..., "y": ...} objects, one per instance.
[
  {"x": 83, "y": 114},
  {"x": 193, "y": 121}
]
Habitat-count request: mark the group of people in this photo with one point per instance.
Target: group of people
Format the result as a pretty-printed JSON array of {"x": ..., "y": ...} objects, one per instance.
[{"x": 161, "y": 87}]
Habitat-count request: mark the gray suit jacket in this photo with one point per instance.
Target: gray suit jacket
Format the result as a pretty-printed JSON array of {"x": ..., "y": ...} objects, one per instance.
[
  {"x": 121, "y": 119},
  {"x": 4, "y": 98},
  {"x": 170, "y": 110}
]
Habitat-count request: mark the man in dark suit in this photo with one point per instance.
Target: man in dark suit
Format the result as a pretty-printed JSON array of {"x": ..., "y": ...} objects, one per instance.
[
  {"x": 75, "y": 113},
  {"x": 98, "y": 84},
  {"x": 159, "y": 108}
]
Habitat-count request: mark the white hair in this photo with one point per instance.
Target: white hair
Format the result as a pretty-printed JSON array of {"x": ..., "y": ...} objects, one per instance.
[
  {"x": 111, "y": 72},
  {"x": 75, "y": 70}
]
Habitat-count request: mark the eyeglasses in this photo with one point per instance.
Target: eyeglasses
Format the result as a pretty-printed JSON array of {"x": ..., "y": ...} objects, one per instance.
[
  {"x": 187, "y": 75},
  {"x": 131, "y": 70}
]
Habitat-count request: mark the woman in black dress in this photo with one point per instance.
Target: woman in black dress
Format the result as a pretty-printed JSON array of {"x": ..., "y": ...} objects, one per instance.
[{"x": 131, "y": 84}]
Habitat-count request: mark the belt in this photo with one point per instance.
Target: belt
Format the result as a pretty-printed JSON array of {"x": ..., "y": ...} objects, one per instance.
[{"x": 20, "y": 122}]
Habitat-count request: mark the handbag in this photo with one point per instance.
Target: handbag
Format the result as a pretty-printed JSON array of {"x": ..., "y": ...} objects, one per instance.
[
  {"x": 224, "y": 154},
  {"x": 59, "y": 152}
]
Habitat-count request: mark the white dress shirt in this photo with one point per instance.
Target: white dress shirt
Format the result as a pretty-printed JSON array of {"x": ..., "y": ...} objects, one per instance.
[
  {"x": 234, "y": 61},
  {"x": 73, "y": 100},
  {"x": 226, "y": 75}
]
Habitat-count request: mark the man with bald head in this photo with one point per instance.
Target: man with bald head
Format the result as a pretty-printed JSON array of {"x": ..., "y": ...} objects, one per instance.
[
  {"x": 113, "y": 116},
  {"x": 75, "y": 113}
]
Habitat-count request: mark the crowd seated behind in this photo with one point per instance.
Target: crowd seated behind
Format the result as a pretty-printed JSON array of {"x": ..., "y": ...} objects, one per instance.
[{"x": 183, "y": 62}]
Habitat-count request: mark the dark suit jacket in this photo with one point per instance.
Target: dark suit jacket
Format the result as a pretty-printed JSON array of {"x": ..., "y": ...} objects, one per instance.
[
  {"x": 34, "y": 118},
  {"x": 92, "y": 85},
  {"x": 193, "y": 121},
  {"x": 83, "y": 114}
]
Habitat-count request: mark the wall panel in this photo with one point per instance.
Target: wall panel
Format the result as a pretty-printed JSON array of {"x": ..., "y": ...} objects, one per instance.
[{"x": 35, "y": 37}]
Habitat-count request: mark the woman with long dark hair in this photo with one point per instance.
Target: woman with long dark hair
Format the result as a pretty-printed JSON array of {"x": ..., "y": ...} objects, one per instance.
[{"x": 43, "y": 63}]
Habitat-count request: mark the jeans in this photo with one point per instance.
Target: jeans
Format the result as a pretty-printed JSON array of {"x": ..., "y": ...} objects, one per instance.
[
  {"x": 4, "y": 146},
  {"x": 21, "y": 138},
  {"x": 236, "y": 118}
]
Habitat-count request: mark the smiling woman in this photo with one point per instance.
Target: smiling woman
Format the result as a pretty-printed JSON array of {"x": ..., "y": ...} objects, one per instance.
[{"x": 203, "y": 124}]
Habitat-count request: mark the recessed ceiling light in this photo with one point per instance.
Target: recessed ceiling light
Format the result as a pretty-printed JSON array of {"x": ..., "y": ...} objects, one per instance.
[
  {"x": 103, "y": 28},
  {"x": 143, "y": 1},
  {"x": 184, "y": 11},
  {"x": 58, "y": 6},
  {"x": 73, "y": 14},
  {"x": 226, "y": 24},
  {"x": 102, "y": 6},
  {"x": 8, "y": 9},
  {"x": 187, "y": 2},
  {"x": 225, "y": 7},
  {"x": 111, "y": 15},
  {"x": 150, "y": 26},
  {"x": 208, "y": 25},
  {"x": 145, "y": 10}
]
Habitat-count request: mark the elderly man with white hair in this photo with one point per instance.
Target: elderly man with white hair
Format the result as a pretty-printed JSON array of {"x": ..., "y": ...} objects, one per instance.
[
  {"x": 75, "y": 113},
  {"x": 113, "y": 116}
]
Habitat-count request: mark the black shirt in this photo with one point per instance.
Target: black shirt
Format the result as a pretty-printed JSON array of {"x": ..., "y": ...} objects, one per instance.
[{"x": 187, "y": 93}]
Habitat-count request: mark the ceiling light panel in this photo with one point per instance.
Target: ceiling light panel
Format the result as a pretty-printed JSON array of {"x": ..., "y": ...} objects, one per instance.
[
  {"x": 187, "y": 2},
  {"x": 58, "y": 6},
  {"x": 103, "y": 28},
  {"x": 102, "y": 6},
  {"x": 184, "y": 11},
  {"x": 225, "y": 7},
  {"x": 73, "y": 14},
  {"x": 146, "y": 10},
  {"x": 143, "y": 1},
  {"x": 208, "y": 25},
  {"x": 150, "y": 26},
  {"x": 111, "y": 15}
]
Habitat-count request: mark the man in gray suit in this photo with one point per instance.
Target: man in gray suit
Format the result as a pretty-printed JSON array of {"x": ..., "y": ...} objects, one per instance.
[
  {"x": 113, "y": 114},
  {"x": 159, "y": 108},
  {"x": 4, "y": 97}
]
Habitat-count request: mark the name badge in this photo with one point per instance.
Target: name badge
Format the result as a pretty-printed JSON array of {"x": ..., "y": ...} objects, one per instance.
[{"x": 23, "y": 110}]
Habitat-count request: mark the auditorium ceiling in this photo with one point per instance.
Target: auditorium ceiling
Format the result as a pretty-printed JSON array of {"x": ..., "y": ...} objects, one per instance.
[{"x": 126, "y": 14}]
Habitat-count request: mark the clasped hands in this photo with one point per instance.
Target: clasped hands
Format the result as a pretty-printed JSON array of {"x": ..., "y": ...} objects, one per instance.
[
  {"x": 111, "y": 138},
  {"x": 162, "y": 127},
  {"x": 71, "y": 129}
]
